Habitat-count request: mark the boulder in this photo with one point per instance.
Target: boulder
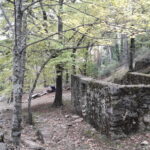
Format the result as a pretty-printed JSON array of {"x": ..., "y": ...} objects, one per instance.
[
  {"x": 78, "y": 120},
  {"x": 34, "y": 96},
  {"x": 3, "y": 146},
  {"x": 3, "y": 98},
  {"x": 144, "y": 143},
  {"x": 141, "y": 64},
  {"x": 1, "y": 137},
  {"x": 147, "y": 119},
  {"x": 32, "y": 145}
]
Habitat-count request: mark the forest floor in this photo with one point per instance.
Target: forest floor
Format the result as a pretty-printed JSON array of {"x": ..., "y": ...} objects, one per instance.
[{"x": 62, "y": 129}]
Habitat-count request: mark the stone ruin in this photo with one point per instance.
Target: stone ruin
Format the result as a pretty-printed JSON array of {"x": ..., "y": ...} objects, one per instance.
[{"x": 113, "y": 109}]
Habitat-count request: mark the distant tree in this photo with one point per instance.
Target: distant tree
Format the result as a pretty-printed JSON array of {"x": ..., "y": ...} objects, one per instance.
[{"x": 59, "y": 68}]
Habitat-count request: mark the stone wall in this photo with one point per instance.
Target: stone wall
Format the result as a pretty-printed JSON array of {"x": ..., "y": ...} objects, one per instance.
[
  {"x": 136, "y": 78},
  {"x": 143, "y": 65},
  {"x": 115, "y": 110}
]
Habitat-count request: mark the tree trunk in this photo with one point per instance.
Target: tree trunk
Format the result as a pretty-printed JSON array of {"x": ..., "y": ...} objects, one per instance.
[
  {"x": 11, "y": 97},
  {"x": 74, "y": 61},
  {"x": 44, "y": 80},
  {"x": 18, "y": 71},
  {"x": 131, "y": 54},
  {"x": 67, "y": 76},
  {"x": 109, "y": 54},
  {"x": 118, "y": 47},
  {"x": 85, "y": 65},
  {"x": 58, "y": 96},
  {"x": 59, "y": 68},
  {"x": 125, "y": 49},
  {"x": 30, "y": 119}
]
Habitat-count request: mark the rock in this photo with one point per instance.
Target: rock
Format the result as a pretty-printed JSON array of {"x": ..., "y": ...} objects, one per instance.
[
  {"x": 40, "y": 136},
  {"x": 66, "y": 116},
  {"x": 43, "y": 94},
  {"x": 36, "y": 95},
  {"x": 140, "y": 64},
  {"x": 69, "y": 124},
  {"x": 144, "y": 143},
  {"x": 115, "y": 110},
  {"x": 32, "y": 145},
  {"x": 3, "y": 146},
  {"x": 1, "y": 137},
  {"x": 75, "y": 116},
  {"x": 63, "y": 126},
  {"x": 3, "y": 98},
  {"x": 78, "y": 120},
  {"x": 147, "y": 119}
]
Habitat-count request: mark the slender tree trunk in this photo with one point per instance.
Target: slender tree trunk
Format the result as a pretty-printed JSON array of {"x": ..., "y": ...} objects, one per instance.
[
  {"x": 131, "y": 54},
  {"x": 58, "y": 96},
  {"x": 109, "y": 54},
  {"x": 74, "y": 61},
  {"x": 67, "y": 76},
  {"x": 74, "y": 71},
  {"x": 18, "y": 72},
  {"x": 44, "y": 81},
  {"x": 118, "y": 47},
  {"x": 59, "y": 68},
  {"x": 89, "y": 48},
  {"x": 117, "y": 53},
  {"x": 11, "y": 97},
  {"x": 125, "y": 49},
  {"x": 85, "y": 65},
  {"x": 30, "y": 119}
]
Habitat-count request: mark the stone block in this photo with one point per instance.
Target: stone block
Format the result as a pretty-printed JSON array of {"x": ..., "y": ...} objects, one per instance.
[
  {"x": 3, "y": 146},
  {"x": 115, "y": 110}
]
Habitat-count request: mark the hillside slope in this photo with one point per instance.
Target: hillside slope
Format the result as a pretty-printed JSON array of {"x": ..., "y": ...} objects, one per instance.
[{"x": 142, "y": 65}]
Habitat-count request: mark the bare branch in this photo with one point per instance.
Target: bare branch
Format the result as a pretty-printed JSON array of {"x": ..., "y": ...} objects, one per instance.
[
  {"x": 56, "y": 33},
  {"x": 27, "y": 7},
  {"x": 1, "y": 45},
  {"x": 5, "y": 16}
]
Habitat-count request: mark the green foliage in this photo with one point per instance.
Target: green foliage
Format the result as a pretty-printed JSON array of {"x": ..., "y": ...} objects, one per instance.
[
  {"x": 5, "y": 68},
  {"x": 107, "y": 69},
  {"x": 99, "y": 21}
]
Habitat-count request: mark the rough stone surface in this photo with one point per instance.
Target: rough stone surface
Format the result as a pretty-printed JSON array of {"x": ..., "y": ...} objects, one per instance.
[
  {"x": 139, "y": 65},
  {"x": 3, "y": 98},
  {"x": 3, "y": 146},
  {"x": 33, "y": 145},
  {"x": 115, "y": 110},
  {"x": 1, "y": 137},
  {"x": 144, "y": 143},
  {"x": 136, "y": 78}
]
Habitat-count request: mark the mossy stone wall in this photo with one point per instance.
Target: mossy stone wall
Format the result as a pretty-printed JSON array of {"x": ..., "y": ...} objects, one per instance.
[{"x": 115, "y": 110}]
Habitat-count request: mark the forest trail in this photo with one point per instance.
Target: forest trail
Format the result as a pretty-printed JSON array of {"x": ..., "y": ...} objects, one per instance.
[
  {"x": 62, "y": 129},
  {"x": 41, "y": 100}
]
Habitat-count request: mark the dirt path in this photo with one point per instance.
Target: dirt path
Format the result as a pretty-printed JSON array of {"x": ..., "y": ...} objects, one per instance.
[
  {"x": 49, "y": 98},
  {"x": 63, "y": 130}
]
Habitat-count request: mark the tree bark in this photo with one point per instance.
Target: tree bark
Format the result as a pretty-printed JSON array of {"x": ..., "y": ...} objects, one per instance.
[
  {"x": 44, "y": 80},
  {"x": 58, "y": 96},
  {"x": 59, "y": 68},
  {"x": 125, "y": 49},
  {"x": 74, "y": 54},
  {"x": 18, "y": 71},
  {"x": 74, "y": 61},
  {"x": 67, "y": 77},
  {"x": 131, "y": 54},
  {"x": 30, "y": 119},
  {"x": 86, "y": 61}
]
